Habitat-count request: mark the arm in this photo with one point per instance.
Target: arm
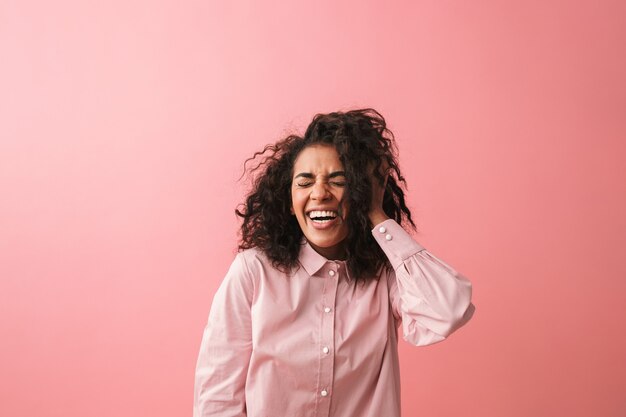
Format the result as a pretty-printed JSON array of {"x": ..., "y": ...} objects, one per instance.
[
  {"x": 226, "y": 347},
  {"x": 428, "y": 295},
  {"x": 430, "y": 298}
]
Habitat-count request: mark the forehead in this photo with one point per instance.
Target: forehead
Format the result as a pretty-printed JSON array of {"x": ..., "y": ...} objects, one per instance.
[{"x": 318, "y": 158}]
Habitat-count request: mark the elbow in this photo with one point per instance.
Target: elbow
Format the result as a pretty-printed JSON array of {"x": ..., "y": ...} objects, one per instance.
[
  {"x": 457, "y": 320},
  {"x": 430, "y": 331},
  {"x": 461, "y": 310},
  {"x": 464, "y": 318}
]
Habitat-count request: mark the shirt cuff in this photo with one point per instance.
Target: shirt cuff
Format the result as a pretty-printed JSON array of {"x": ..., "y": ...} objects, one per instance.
[{"x": 397, "y": 244}]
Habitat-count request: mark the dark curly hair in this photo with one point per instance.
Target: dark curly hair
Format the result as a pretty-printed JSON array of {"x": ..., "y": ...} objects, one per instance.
[{"x": 362, "y": 139}]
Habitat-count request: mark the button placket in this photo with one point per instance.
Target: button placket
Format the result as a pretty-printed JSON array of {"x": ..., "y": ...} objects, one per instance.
[{"x": 327, "y": 339}]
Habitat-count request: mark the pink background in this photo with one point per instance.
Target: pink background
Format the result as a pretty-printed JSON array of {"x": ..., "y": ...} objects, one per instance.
[{"x": 124, "y": 126}]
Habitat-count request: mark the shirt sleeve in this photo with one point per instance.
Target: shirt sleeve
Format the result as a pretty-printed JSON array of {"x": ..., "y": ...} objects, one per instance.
[
  {"x": 226, "y": 346},
  {"x": 430, "y": 298}
]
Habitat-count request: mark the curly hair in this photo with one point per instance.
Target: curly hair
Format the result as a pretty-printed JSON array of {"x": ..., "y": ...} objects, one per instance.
[{"x": 362, "y": 140}]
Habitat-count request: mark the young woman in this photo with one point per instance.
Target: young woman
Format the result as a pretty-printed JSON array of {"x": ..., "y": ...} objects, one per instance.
[{"x": 306, "y": 320}]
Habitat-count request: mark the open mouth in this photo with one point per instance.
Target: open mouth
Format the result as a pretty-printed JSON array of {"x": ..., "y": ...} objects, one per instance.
[{"x": 322, "y": 216}]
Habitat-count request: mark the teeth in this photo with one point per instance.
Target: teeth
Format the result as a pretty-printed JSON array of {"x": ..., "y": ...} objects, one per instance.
[{"x": 320, "y": 213}]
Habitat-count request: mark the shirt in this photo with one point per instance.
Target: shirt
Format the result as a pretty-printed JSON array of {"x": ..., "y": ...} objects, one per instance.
[{"x": 311, "y": 344}]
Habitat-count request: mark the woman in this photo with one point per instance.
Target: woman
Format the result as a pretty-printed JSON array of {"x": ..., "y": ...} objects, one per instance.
[{"x": 306, "y": 320}]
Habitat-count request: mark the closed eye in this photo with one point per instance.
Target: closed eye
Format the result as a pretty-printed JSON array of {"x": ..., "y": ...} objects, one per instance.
[{"x": 335, "y": 183}]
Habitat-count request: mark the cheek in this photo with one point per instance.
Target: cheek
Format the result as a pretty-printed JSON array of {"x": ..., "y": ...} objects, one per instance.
[
  {"x": 344, "y": 204},
  {"x": 296, "y": 201}
]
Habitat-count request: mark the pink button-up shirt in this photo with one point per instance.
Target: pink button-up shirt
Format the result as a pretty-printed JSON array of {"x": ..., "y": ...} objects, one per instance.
[{"x": 312, "y": 344}]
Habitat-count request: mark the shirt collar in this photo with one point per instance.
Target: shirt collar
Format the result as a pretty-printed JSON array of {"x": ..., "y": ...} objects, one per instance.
[
  {"x": 310, "y": 260},
  {"x": 315, "y": 264}
]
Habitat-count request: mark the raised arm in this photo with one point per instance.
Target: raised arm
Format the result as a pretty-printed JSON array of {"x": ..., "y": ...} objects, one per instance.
[{"x": 429, "y": 296}]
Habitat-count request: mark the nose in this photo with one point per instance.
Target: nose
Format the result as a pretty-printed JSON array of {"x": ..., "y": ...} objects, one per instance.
[{"x": 320, "y": 191}]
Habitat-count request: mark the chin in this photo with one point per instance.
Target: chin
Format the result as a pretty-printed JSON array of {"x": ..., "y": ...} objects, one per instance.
[{"x": 326, "y": 243}]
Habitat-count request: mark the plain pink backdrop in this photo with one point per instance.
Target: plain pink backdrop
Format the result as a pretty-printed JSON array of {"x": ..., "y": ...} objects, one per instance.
[{"x": 124, "y": 126}]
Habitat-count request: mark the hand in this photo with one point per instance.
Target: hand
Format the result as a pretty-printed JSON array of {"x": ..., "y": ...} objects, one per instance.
[{"x": 376, "y": 213}]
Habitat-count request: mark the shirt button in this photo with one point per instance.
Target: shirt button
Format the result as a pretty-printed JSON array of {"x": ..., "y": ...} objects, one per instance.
[
  {"x": 324, "y": 393},
  {"x": 325, "y": 350},
  {"x": 331, "y": 273},
  {"x": 388, "y": 236},
  {"x": 327, "y": 310},
  {"x": 382, "y": 229}
]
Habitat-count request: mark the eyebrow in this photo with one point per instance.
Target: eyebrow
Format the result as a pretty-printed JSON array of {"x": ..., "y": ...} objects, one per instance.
[{"x": 331, "y": 175}]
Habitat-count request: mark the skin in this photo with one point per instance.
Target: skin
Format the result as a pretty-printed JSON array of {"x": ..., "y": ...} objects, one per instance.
[
  {"x": 377, "y": 214},
  {"x": 318, "y": 183}
]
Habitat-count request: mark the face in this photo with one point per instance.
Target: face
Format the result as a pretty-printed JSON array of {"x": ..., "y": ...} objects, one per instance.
[{"x": 317, "y": 187}]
